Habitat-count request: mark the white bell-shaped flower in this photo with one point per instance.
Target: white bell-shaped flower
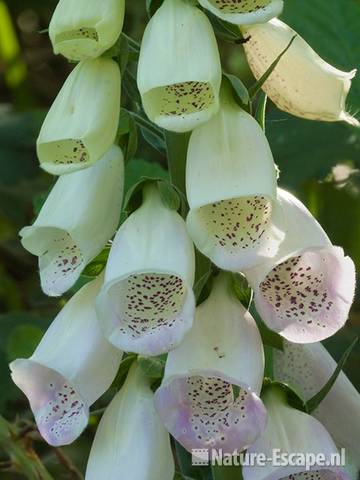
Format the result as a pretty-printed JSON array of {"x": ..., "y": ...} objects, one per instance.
[
  {"x": 307, "y": 368},
  {"x": 82, "y": 29},
  {"x": 209, "y": 397},
  {"x": 147, "y": 304},
  {"x": 306, "y": 291},
  {"x": 79, "y": 216},
  {"x": 71, "y": 368},
  {"x": 82, "y": 122},
  {"x": 179, "y": 71},
  {"x": 244, "y": 13},
  {"x": 292, "y": 432},
  {"x": 131, "y": 442},
  {"x": 231, "y": 190},
  {"x": 302, "y": 84}
]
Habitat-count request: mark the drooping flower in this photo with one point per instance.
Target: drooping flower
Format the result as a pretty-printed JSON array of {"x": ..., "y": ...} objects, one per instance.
[
  {"x": 209, "y": 394},
  {"x": 79, "y": 216},
  {"x": 82, "y": 122},
  {"x": 179, "y": 72},
  {"x": 244, "y": 12},
  {"x": 302, "y": 84},
  {"x": 147, "y": 304},
  {"x": 231, "y": 190},
  {"x": 308, "y": 368},
  {"x": 71, "y": 368},
  {"x": 305, "y": 292},
  {"x": 290, "y": 431},
  {"x": 131, "y": 443},
  {"x": 82, "y": 29}
]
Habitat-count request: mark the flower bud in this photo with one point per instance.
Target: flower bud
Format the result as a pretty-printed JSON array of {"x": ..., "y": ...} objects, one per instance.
[
  {"x": 147, "y": 304},
  {"x": 231, "y": 190},
  {"x": 82, "y": 122},
  {"x": 179, "y": 72},
  {"x": 82, "y": 29},
  {"x": 308, "y": 368},
  {"x": 291, "y": 432},
  {"x": 244, "y": 13},
  {"x": 130, "y": 442},
  {"x": 302, "y": 84},
  {"x": 209, "y": 394},
  {"x": 71, "y": 368},
  {"x": 77, "y": 220},
  {"x": 305, "y": 292}
]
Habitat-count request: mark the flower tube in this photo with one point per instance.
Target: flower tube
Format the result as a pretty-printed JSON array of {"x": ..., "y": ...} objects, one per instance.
[
  {"x": 302, "y": 84},
  {"x": 231, "y": 190},
  {"x": 130, "y": 442},
  {"x": 147, "y": 304},
  {"x": 305, "y": 292},
  {"x": 79, "y": 216},
  {"x": 179, "y": 71},
  {"x": 244, "y": 13},
  {"x": 71, "y": 368},
  {"x": 82, "y": 122},
  {"x": 82, "y": 29},
  {"x": 292, "y": 432},
  {"x": 308, "y": 368},
  {"x": 209, "y": 394}
]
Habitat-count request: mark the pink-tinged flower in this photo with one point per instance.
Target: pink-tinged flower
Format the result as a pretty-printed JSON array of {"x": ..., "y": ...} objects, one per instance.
[
  {"x": 305, "y": 292},
  {"x": 302, "y": 83},
  {"x": 209, "y": 394},
  {"x": 231, "y": 190},
  {"x": 77, "y": 220},
  {"x": 308, "y": 368},
  {"x": 131, "y": 443},
  {"x": 71, "y": 368},
  {"x": 147, "y": 303},
  {"x": 290, "y": 431}
]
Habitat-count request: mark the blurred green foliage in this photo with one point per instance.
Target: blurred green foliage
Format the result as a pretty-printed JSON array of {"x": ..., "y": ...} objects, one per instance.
[{"x": 319, "y": 162}]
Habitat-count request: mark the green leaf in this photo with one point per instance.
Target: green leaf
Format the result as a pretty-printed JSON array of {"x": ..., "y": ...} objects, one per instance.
[
  {"x": 260, "y": 113},
  {"x": 22, "y": 341},
  {"x": 270, "y": 338},
  {"x": 240, "y": 91},
  {"x": 152, "y": 6},
  {"x": 180, "y": 476},
  {"x": 203, "y": 277},
  {"x": 138, "y": 168},
  {"x": 98, "y": 264},
  {"x": 231, "y": 472},
  {"x": 258, "y": 85},
  {"x": 315, "y": 401},
  {"x": 294, "y": 399},
  {"x": 152, "y": 367},
  {"x": 127, "y": 137},
  {"x": 169, "y": 195},
  {"x": 241, "y": 289},
  {"x": 177, "y": 146},
  {"x": 186, "y": 467},
  {"x": 124, "y": 368},
  {"x": 225, "y": 30},
  {"x": 152, "y": 134}
]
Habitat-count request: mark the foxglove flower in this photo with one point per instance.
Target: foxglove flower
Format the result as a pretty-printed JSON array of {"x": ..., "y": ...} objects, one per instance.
[
  {"x": 308, "y": 368},
  {"x": 81, "y": 124},
  {"x": 231, "y": 190},
  {"x": 209, "y": 394},
  {"x": 302, "y": 84},
  {"x": 71, "y": 368},
  {"x": 179, "y": 72},
  {"x": 244, "y": 13},
  {"x": 292, "y": 432},
  {"x": 147, "y": 304},
  {"x": 79, "y": 216},
  {"x": 131, "y": 443},
  {"x": 306, "y": 291},
  {"x": 82, "y": 29}
]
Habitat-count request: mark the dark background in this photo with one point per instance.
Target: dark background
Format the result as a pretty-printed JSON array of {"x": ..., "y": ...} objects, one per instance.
[{"x": 318, "y": 161}]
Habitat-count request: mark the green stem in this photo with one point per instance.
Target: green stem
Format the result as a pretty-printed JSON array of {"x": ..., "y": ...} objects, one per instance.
[{"x": 22, "y": 456}]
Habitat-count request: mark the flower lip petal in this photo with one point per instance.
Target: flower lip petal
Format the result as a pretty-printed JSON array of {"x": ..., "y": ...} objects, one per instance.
[
  {"x": 199, "y": 411},
  {"x": 163, "y": 296},
  {"x": 307, "y": 297},
  {"x": 314, "y": 473},
  {"x": 60, "y": 412},
  {"x": 61, "y": 260}
]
